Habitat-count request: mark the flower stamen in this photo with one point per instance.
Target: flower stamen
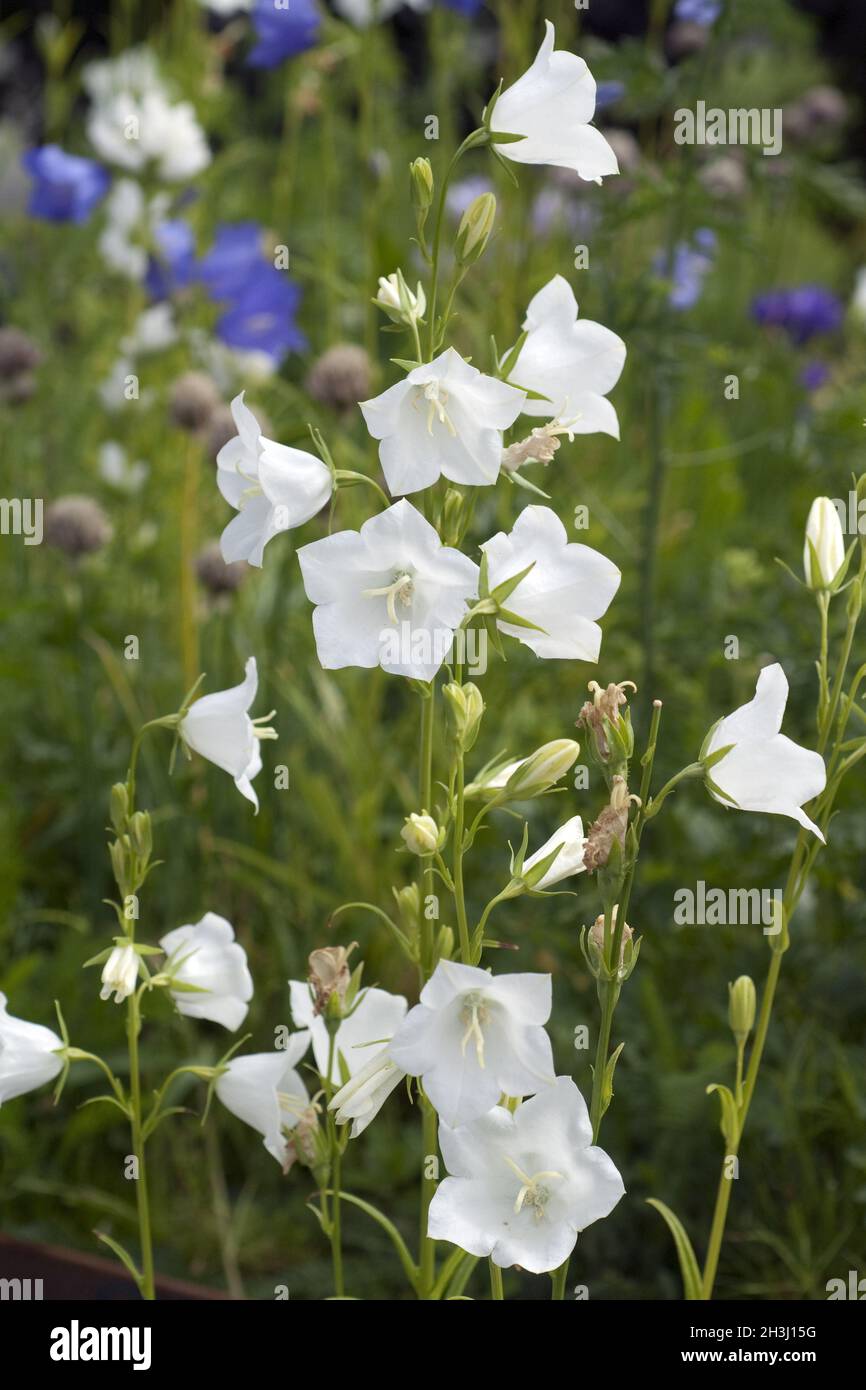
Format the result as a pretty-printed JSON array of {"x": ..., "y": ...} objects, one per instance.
[
  {"x": 402, "y": 588},
  {"x": 533, "y": 1193}
]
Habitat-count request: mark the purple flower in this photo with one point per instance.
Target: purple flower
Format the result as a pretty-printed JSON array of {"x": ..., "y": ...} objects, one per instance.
[
  {"x": 66, "y": 187},
  {"x": 283, "y": 29},
  {"x": 690, "y": 264},
  {"x": 608, "y": 94},
  {"x": 261, "y": 318},
  {"x": 260, "y": 301},
  {"x": 238, "y": 248},
  {"x": 173, "y": 267},
  {"x": 469, "y": 8},
  {"x": 814, "y": 375},
  {"x": 802, "y": 313},
  {"x": 703, "y": 12}
]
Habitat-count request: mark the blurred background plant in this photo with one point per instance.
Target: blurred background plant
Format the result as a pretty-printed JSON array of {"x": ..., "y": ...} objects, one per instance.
[{"x": 311, "y": 134}]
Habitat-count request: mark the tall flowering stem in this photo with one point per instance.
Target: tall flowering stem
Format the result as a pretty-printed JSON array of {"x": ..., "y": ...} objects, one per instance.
[{"x": 834, "y": 710}]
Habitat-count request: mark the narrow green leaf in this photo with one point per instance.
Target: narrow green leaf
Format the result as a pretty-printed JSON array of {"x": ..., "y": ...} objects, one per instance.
[
  {"x": 123, "y": 1255},
  {"x": 691, "y": 1274}
]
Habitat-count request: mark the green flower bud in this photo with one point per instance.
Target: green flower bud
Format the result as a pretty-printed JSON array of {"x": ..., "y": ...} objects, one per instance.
[
  {"x": 117, "y": 855},
  {"x": 421, "y": 176},
  {"x": 408, "y": 902},
  {"x": 421, "y": 834},
  {"x": 119, "y": 804},
  {"x": 140, "y": 835},
  {"x": 452, "y": 522},
  {"x": 475, "y": 228},
  {"x": 742, "y": 1003},
  {"x": 445, "y": 943},
  {"x": 542, "y": 769},
  {"x": 464, "y": 708}
]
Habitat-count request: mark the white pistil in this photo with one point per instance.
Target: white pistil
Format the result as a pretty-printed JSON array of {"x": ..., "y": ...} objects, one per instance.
[
  {"x": 532, "y": 1193},
  {"x": 436, "y": 403},
  {"x": 402, "y": 588},
  {"x": 474, "y": 1014}
]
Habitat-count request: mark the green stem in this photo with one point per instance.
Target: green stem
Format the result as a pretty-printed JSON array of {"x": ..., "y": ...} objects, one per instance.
[
  {"x": 459, "y": 896},
  {"x": 477, "y": 137},
  {"x": 559, "y": 1278},
  {"x": 496, "y": 1290},
  {"x": 133, "y": 1027},
  {"x": 425, "y": 792},
  {"x": 335, "y": 1167},
  {"x": 609, "y": 996},
  {"x": 427, "y": 1247}
]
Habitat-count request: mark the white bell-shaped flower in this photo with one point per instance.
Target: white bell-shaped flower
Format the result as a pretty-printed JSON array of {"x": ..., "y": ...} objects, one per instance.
[
  {"x": 572, "y": 362},
  {"x": 272, "y": 487},
  {"x": 28, "y": 1055},
  {"x": 523, "y": 1185},
  {"x": 120, "y": 973},
  {"x": 219, "y": 728},
  {"x": 359, "y": 1037},
  {"x": 474, "y": 1037},
  {"x": 444, "y": 419},
  {"x": 207, "y": 957},
  {"x": 566, "y": 589},
  {"x": 265, "y": 1090},
  {"x": 389, "y": 595},
  {"x": 569, "y": 841},
  {"x": 765, "y": 770},
  {"x": 551, "y": 106}
]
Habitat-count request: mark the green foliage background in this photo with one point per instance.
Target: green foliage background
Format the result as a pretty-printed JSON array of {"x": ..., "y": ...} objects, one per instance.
[{"x": 317, "y": 151}]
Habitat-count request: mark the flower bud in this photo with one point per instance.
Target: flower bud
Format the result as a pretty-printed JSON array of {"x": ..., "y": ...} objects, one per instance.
[
  {"x": 742, "y": 1002},
  {"x": 445, "y": 943},
  {"x": 120, "y": 973},
  {"x": 421, "y": 177},
  {"x": 397, "y": 300},
  {"x": 140, "y": 835},
  {"x": 119, "y": 804},
  {"x": 825, "y": 545},
  {"x": 475, "y": 228},
  {"x": 596, "y": 936},
  {"x": 408, "y": 900},
  {"x": 117, "y": 855},
  {"x": 542, "y": 769},
  {"x": 464, "y": 708},
  {"x": 330, "y": 975},
  {"x": 421, "y": 834},
  {"x": 452, "y": 522}
]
